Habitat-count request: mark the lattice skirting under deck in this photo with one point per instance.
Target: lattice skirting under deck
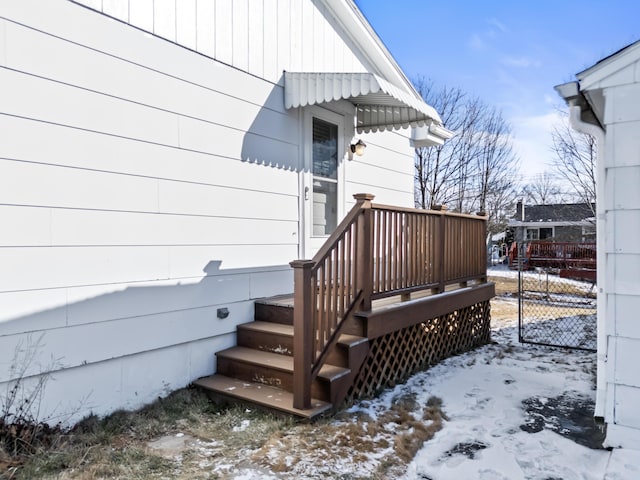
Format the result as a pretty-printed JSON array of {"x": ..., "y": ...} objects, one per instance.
[{"x": 396, "y": 356}]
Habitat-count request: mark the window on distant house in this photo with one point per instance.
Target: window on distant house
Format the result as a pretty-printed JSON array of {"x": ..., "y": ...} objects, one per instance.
[
  {"x": 545, "y": 233},
  {"x": 533, "y": 234},
  {"x": 589, "y": 233}
]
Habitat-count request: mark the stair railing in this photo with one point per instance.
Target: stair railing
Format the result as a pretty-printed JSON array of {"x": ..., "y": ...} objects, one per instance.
[{"x": 377, "y": 251}]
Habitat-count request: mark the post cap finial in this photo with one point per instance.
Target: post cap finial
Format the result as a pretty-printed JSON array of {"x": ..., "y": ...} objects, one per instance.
[{"x": 364, "y": 196}]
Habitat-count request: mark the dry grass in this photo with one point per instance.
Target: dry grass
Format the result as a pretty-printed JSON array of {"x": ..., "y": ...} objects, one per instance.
[
  {"x": 419, "y": 431},
  {"x": 223, "y": 439},
  {"x": 116, "y": 447},
  {"x": 379, "y": 448},
  {"x": 508, "y": 286},
  {"x": 504, "y": 307}
]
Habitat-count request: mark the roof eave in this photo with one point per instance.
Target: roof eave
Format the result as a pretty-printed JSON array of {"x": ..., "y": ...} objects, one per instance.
[
  {"x": 632, "y": 48},
  {"x": 362, "y": 33},
  {"x": 575, "y": 97}
]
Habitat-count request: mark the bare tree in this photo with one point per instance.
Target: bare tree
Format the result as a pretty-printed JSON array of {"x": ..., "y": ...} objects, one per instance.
[
  {"x": 575, "y": 160},
  {"x": 543, "y": 190},
  {"x": 500, "y": 204},
  {"x": 496, "y": 162},
  {"x": 441, "y": 171},
  {"x": 474, "y": 170}
]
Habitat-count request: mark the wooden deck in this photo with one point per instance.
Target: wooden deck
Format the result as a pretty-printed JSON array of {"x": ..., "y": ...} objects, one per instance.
[
  {"x": 391, "y": 292},
  {"x": 562, "y": 256}
]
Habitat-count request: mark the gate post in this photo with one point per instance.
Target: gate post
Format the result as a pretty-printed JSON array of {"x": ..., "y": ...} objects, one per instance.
[{"x": 521, "y": 251}]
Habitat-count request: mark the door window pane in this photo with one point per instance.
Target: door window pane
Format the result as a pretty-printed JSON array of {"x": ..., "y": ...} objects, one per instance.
[
  {"x": 325, "y": 177},
  {"x": 325, "y": 149},
  {"x": 325, "y": 207}
]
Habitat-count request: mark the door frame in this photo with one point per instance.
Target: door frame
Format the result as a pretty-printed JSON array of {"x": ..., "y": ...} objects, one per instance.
[{"x": 309, "y": 243}]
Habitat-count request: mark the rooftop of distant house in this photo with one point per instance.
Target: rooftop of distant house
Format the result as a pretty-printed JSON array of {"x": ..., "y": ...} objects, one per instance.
[{"x": 558, "y": 212}]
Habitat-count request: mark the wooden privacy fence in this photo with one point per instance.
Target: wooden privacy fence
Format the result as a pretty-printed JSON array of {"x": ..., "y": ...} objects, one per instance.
[{"x": 377, "y": 251}]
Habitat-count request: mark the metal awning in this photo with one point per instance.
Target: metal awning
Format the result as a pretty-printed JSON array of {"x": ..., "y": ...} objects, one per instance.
[{"x": 380, "y": 105}]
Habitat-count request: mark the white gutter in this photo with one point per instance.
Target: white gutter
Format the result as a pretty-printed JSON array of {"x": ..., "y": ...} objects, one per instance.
[
  {"x": 429, "y": 135},
  {"x": 571, "y": 94}
]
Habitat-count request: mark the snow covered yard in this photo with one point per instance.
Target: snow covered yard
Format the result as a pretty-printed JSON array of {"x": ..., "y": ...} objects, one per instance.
[
  {"x": 498, "y": 426},
  {"x": 512, "y": 412},
  {"x": 503, "y": 411}
]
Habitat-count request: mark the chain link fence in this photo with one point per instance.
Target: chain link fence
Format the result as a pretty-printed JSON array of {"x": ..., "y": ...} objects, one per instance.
[{"x": 555, "y": 311}]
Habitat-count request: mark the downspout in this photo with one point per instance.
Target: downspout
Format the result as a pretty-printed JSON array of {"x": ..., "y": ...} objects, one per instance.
[{"x": 575, "y": 119}]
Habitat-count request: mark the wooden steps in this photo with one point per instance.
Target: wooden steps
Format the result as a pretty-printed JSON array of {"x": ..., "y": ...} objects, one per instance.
[
  {"x": 263, "y": 395},
  {"x": 267, "y": 336},
  {"x": 259, "y": 369}
]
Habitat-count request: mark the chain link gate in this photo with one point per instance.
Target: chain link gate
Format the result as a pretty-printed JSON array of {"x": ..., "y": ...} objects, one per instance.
[{"x": 554, "y": 311}]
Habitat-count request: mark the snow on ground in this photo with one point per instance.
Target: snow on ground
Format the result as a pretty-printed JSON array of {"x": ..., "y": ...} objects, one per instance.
[
  {"x": 514, "y": 411},
  {"x": 538, "y": 274},
  {"x": 489, "y": 435}
]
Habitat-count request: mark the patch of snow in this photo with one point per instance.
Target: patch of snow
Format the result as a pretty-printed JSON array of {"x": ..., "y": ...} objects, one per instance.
[
  {"x": 623, "y": 465},
  {"x": 484, "y": 402},
  {"x": 282, "y": 350},
  {"x": 242, "y": 427},
  {"x": 504, "y": 271}
]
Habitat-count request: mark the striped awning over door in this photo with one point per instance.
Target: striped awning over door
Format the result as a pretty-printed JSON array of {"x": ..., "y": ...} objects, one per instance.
[{"x": 380, "y": 105}]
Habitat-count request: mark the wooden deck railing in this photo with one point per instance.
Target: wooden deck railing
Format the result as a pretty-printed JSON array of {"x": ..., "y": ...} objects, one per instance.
[
  {"x": 561, "y": 254},
  {"x": 377, "y": 251}
]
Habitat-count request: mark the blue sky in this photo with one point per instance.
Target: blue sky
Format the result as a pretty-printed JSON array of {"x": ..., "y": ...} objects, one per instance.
[{"x": 510, "y": 53}]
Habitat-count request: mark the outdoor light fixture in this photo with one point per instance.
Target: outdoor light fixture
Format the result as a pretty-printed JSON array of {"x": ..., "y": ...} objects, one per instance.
[{"x": 358, "y": 148}]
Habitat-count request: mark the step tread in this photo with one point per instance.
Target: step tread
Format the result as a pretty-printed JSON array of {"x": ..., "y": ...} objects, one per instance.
[
  {"x": 276, "y": 361},
  {"x": 267, "y": 396},
  {"x": 278, "y": 300},
  {"x": 282, "y": 329},
  {"x": 268, "y": 327},
  {"x": 258, "y": 357}
]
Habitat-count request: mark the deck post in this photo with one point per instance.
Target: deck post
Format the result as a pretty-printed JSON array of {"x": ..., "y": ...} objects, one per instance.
[
  {"x": 303, "y": 331},
  {"x": 364, "y": 251},
  {"x": 485, "y": 228},
  {"x": 441, "y": 250}
]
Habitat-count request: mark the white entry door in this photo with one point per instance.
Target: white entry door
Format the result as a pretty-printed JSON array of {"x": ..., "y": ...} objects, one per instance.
[{"x": 323, "y": 179}]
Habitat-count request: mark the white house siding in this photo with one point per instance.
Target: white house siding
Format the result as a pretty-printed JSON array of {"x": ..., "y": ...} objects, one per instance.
[
  {"x": 142, "y": 187},
  {"x": 262, "y": 37},
  {"x": 386, "y": 169},
  {"x": 622, "y": 238}
]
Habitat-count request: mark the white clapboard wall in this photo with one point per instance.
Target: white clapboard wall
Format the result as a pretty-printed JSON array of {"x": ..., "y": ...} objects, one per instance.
[
  {"x": 150, "y": 178},
  {"x": 613, "y": 89},
  {"x": 262, "y": 37},
  {"x": 622, "y": 238}
]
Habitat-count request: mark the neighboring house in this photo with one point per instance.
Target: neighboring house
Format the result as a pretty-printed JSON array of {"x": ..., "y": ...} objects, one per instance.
[
  {"x": 605, "y": 102},
  {"x": 562, "y": 222},
  {"x": 159, "y": 170}
]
